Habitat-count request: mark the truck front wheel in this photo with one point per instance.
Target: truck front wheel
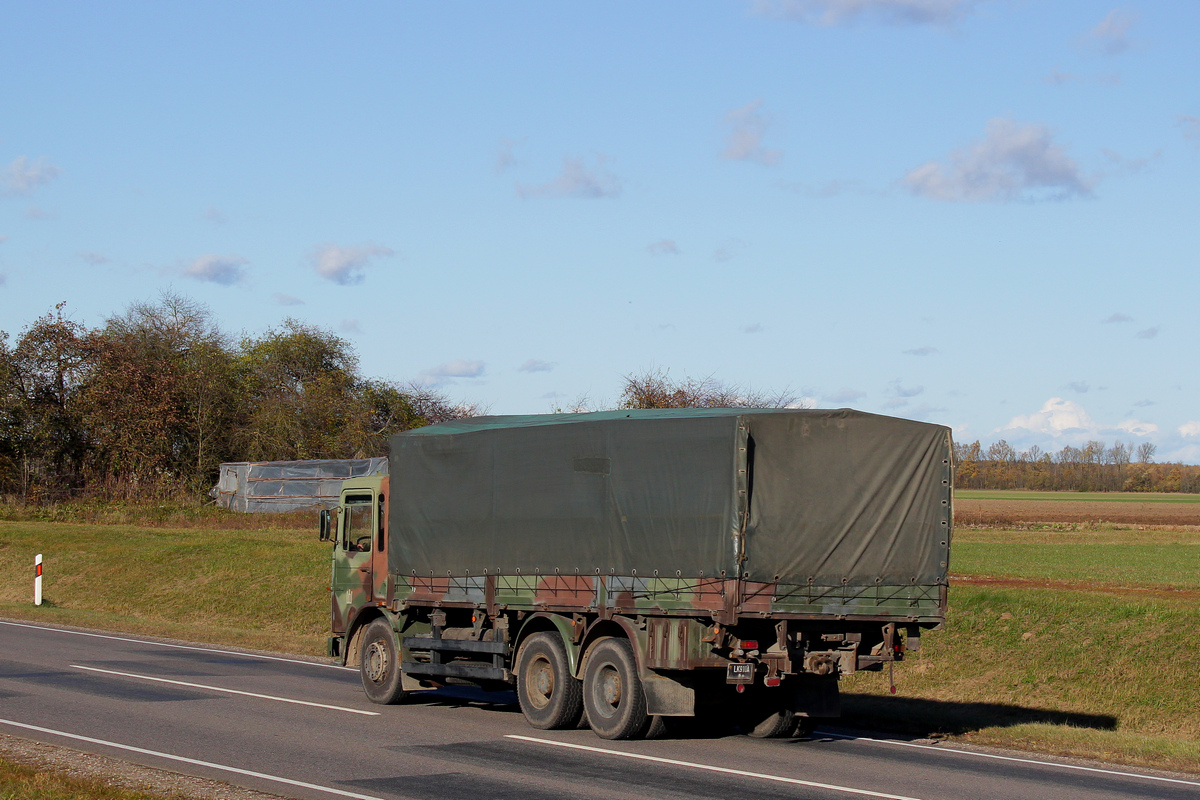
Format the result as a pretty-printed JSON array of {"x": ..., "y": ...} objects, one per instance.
[
  {"x": 379, "y": 664},
  {"x": 551, "y": 698},
  {"x": 612, "y": 692}
]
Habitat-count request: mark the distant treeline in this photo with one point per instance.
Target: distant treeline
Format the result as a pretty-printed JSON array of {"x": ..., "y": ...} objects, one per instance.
[
  {"x": 1091, "y": 468},
  {"x": 156, "y": 398}
]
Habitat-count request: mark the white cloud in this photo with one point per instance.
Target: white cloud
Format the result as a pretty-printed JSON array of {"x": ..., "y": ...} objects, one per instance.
[
  {"x": 22, "y": 176},
  {"x": 1137, "y": 427},
  {"x": 223, "y": 270},
  {"x": 345, "y": 265},
  {"x": 533, "y": 365},
  {"x": 445, "y": 373},
  {"x": 842, "y": 12},
  {"x": 900, "y": 391},
  {"x": 1111, "y": 35},
  {"x": 1056, "y": 417},
  {"x": 1079, "y": 387},
  {"x": 213, "y": 214},
  {"x": 351, "y": 326},
  {"x": 1148, "y": 333},
  {"x": 663, "y": 247},
  {"x": 744, "y": 142},
  {"x": 1191, "y": 428},
  {"x": 286, "y": 299},
  {"x": 1116, "y": 317},
  {"x": 921, "y": 351},
  {"x": 576, "y": 180},
  {"x": 1012, "y": 162},
  {"x": 757, "y": 327},
  {"x": 1067, "y": 421}
]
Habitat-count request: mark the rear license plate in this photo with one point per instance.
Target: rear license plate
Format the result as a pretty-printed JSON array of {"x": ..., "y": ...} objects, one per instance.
[{"x": 739, "y": 673}]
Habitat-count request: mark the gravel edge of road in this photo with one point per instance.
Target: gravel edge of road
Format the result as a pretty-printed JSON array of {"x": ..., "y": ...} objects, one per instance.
[{"x": 117, "y": 773}]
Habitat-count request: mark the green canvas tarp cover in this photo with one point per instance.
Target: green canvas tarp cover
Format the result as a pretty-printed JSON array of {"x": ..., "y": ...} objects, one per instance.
[{"x": 827, "y": 497}]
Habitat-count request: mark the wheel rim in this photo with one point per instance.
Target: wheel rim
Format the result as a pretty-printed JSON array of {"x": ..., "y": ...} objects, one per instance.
[
  {"x": 377, "y": 660},
  {"x": 539, "y": 682},
  {"x": 608, "y": 690}
]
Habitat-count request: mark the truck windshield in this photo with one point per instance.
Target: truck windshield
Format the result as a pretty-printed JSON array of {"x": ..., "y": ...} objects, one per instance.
[{"x": 358, "y": 523}]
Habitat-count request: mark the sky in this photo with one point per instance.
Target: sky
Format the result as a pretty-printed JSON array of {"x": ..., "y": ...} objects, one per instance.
[{"x": 979, "y": 213}]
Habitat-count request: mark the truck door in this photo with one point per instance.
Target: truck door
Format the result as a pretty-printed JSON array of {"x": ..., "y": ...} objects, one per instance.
[{"x": 352, "y": 573}]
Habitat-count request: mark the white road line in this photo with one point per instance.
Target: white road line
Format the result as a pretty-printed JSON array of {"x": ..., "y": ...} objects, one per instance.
[
  {"x": 710, "y": 768},
  {"x": 229, "y": 691},
  {"x": 940, "y": 749},
  {"x": 177, "y": 646},
  {"x": 194, "y": 761}
]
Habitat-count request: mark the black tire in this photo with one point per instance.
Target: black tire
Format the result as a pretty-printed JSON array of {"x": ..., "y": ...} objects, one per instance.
[
  {"x": 379, "y": 664},
  {"x": 612, "y": 692},
  {"x": 804, "y": 727},
  {"x": 551, "y": 698},
  {"x": 772, "y": 723},
  {"x": 767, "y": 714}
]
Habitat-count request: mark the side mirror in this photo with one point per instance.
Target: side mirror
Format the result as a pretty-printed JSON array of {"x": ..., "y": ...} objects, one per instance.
[{"x": 323, "y": 527}]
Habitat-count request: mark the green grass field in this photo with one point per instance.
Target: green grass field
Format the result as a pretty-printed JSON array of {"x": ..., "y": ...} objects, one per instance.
[
  {"x": 1138, "y": 559},
  {"x": 1105, "y": 672},
  {"x": 1105, "y": 497}
]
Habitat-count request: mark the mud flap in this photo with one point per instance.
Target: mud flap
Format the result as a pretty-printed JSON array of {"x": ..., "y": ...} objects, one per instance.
[
  {"x": 667, "y": 697},
  {"x": 816, "y": 695}
]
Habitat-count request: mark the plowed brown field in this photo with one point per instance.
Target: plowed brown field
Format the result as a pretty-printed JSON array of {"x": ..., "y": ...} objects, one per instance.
[{"x": 1007, "y": 512}]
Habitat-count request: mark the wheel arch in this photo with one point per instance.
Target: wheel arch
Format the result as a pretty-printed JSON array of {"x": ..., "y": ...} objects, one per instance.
[
  {"x": 352, "y": 652},
  {"x": 615, "y": 628},
  {"x": 546, "y": 622}
]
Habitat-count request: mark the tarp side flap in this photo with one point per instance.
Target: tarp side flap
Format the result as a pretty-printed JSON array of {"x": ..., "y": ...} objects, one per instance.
[
  {"x": 623, "y": 496},
  {"x": 848, "y": 499}
]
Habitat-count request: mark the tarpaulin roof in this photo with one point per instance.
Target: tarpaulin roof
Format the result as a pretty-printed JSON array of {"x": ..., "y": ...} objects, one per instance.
[{"x": 823, "y": 496}]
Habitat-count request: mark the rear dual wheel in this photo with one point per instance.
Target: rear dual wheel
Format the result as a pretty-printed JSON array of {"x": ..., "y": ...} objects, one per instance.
[
  {"x": 612, "y": 692},
  {"x": 550, "y": 696}
]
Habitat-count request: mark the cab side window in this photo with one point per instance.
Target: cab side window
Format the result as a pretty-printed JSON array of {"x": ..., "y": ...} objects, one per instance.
[{"x": 359, "y": 530}]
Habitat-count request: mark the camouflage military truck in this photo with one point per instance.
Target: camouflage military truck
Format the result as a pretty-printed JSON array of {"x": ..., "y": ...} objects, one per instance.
[{"x": 625, "y": 567}]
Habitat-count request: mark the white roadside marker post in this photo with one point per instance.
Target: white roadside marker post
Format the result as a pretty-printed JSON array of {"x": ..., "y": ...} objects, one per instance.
[{"x": 37, "y": 580}]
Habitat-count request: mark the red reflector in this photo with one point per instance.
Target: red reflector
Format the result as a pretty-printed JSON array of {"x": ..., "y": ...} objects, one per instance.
[
  {"x": 749, "y": 644},
  {"x": 741, "y": 687},
  {"x": 772, "y": 681}
]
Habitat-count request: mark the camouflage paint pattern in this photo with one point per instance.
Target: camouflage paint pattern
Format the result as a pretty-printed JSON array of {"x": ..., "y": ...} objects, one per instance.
[{"x": 675, "y": 622}]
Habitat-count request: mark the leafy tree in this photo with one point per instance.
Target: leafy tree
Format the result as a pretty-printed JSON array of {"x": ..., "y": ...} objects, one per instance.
[
  {"x": 41, "y": 375},
  {"x": 656, "y": 389},
  {"x": 161, "y": 395}
]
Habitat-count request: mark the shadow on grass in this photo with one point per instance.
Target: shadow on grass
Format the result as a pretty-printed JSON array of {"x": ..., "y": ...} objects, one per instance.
[{"x": 932, "y": 718}]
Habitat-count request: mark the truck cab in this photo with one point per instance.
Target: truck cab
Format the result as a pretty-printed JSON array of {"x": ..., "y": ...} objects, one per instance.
[{"x": 357, "y": 528}]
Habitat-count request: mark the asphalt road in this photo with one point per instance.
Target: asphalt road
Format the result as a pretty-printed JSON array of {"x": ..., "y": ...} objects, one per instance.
[{"x": 305, "y": 730}]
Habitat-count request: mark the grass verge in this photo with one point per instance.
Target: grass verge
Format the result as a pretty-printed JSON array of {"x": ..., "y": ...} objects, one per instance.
[{"x": 19, "y": 782}]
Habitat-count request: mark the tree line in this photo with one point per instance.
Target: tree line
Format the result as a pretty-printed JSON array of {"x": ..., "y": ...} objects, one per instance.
[
  {"x": 159, "y": 396},
  {"x": 1094, "y": 467}
]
